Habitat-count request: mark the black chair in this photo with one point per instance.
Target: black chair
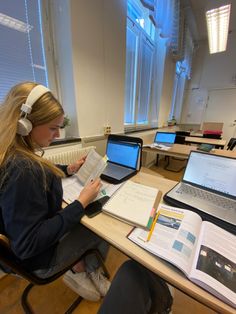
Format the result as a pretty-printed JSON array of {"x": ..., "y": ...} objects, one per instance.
[
  {"x": 179, "y": 139},
  {"x": 231, "y": 144},
  {"x": 180, "y": 136},
  {"x": 9, "y": 261}
]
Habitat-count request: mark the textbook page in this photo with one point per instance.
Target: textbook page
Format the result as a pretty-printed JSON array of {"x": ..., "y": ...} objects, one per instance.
[
  {"x": 72, "y": 188},
  {"x": 92, "y": 168},
  {"x": 134, "y": 203},
  {"x": 214, "y": 266},
  {"x": 174, "y": 237}
]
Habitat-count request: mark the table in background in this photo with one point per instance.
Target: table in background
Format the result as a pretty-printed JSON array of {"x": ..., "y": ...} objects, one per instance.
[
  {"x": 176, "y": 150},
  {"x": 115, "y": 232},
  {"x": 205, "y": 140}
]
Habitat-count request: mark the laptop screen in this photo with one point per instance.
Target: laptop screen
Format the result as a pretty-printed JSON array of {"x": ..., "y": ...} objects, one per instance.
[
  {"x": 162, "y": 137},
  {"x": 125, "y": 154},
  {"x": 213, "y": 172}
]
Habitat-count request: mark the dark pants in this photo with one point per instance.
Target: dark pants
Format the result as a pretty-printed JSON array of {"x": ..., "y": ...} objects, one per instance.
[
  {"x": 71, "y": 247},
  {"x": 136, "y": 290}
]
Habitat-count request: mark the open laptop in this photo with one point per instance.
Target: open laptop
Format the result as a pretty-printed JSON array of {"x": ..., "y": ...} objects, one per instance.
[
  {"x": 124, "y": 158},
  {"x": 164, "y": 139},
  {"x": 208, "y": 187}
]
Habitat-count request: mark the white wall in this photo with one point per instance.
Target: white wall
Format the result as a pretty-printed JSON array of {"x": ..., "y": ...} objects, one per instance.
[
  {"x": 95, "y": 78},
  {"x": 60, "y": 23},
  {"x": 167, "y": 90},
  {"x": 214, "y": 74}
]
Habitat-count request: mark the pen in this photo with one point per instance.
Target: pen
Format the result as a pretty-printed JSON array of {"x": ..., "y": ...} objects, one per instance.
[{"x": 153, "y": 225}]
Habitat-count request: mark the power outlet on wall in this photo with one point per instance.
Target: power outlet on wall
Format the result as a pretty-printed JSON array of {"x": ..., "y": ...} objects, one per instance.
[{"x": 107, "y": 130}]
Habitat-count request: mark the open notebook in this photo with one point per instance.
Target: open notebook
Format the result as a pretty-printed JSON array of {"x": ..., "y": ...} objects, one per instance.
[{"x": 134, "y": 203}]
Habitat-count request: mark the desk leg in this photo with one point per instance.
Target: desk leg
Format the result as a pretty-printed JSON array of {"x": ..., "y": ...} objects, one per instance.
[{"x": 157, "y": 159}]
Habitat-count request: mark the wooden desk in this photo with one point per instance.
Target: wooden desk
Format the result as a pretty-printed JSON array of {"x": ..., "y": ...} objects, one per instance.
[
  {"x": 177, "y": 150},
  {"x": 115, "y": 232},
  {"x": 205, "y": 140},
  {"x": 224, "y": 152}
]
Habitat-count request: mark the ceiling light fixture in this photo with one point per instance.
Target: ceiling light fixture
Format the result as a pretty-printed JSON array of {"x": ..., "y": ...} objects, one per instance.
[{"x": 218, "y": 28}]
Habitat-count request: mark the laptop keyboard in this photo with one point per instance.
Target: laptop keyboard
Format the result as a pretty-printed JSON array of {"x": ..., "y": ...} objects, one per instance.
[{"x": 207, "y": 196}]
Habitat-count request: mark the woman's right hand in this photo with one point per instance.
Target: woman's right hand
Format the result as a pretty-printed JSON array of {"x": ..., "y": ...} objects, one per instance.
[{"x": 89, "y": 192}]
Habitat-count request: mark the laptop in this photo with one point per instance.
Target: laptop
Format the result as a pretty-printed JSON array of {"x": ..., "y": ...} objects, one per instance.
[
  {"x": 124, "y": 158},
  {"x": 165, "y": 139},
  {"x": 208, "y": 188}
]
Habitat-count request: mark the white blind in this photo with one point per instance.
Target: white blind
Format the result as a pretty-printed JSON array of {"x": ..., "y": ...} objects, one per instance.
[{"x": 22, "y": 52}]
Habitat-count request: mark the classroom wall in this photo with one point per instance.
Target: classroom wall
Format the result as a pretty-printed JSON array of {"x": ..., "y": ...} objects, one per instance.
[
  {"x": 90, "y": 37},
  {"x": 167, "y": 90},
  {"x": 60, "y": 25},
  {"x": 214, "y": 83},
  {"x": 94, "y": 39}
]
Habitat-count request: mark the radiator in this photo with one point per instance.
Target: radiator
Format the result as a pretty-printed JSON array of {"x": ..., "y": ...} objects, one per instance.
[{"x": 69, "y": 155}]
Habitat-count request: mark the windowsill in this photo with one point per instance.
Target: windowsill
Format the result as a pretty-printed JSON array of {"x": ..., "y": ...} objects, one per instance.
[
  {"x": 66, "y": 140},
  {"x": 140, "y": 130}
]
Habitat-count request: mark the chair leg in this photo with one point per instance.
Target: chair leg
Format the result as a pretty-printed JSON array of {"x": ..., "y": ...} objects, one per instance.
[
  {"x": 24, "y": 302},
  {"x": 74, "y": 305},
  {"x": 28, "y": 310}
]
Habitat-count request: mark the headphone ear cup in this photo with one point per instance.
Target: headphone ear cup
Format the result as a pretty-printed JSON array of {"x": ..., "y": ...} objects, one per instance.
[{"x": 24, "y": 127}]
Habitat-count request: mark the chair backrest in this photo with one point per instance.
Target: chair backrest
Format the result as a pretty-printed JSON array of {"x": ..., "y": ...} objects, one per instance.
[
  {"x": 213, "y": 126},
  {"x": 180, "y": 136},
  {"x": 231, "y": 144}
]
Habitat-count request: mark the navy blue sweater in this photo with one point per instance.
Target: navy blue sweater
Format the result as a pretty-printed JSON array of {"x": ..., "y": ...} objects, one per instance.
[{"x": 32, "y": 217}]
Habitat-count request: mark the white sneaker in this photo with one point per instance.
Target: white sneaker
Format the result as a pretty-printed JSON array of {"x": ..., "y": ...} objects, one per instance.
[
  {"x": 82, "y": 285},
  {"x": 100, "y": 281}
]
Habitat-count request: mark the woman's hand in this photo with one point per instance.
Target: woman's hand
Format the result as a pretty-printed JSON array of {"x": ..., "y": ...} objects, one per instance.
[
  {"x": 73, "y": 168},
  {"x": 89, "y": 192}
]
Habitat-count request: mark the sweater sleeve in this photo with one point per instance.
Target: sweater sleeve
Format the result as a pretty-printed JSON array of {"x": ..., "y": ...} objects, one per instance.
[{"x": 32, "y": 223}]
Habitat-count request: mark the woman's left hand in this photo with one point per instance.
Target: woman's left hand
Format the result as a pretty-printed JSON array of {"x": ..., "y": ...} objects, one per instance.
[{"x": 73, "y": 168}]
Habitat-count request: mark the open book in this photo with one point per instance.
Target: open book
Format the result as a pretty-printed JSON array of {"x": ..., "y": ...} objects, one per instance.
[
  {"x": 134, "y": 203},
  {"x": 204, "y": 252},
  {"x": 92, "y": 168}
]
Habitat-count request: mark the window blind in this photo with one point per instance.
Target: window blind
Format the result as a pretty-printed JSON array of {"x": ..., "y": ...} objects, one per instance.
[{"x": 22, "y": 52}]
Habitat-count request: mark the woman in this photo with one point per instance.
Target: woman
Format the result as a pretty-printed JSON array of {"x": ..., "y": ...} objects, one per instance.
[{"x": 44, "y": 237}]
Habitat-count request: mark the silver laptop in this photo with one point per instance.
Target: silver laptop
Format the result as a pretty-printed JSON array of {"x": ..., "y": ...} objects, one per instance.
[
  {"x": 164, "y": 139},
  {"x": 208, "y": 185}
]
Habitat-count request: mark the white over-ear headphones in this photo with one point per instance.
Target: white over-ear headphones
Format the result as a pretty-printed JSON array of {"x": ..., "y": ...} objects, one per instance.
[{"x": 24, "y": 126}]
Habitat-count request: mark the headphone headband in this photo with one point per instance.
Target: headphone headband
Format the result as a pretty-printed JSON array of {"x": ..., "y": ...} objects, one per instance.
[
  {"x": 24, "y": 126},
  {"x": 33, "y": 96}
]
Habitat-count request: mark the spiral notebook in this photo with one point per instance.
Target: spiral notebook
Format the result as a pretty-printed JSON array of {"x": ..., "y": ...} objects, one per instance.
[{"x": 134, "y": 203}]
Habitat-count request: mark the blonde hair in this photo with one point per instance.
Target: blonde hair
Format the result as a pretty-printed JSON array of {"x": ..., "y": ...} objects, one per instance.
[{"x": 44, "y": 110}]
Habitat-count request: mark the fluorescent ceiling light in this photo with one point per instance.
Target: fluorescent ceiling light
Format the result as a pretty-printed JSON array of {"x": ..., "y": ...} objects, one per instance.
[
  {"x": 18, "y": 25},
  {"x": 218, "y": 28}
]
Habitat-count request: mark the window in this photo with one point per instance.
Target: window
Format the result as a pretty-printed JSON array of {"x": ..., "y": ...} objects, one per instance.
[
  {"x": 22, "y": 51},
  {"x": 140, "y": 49}
]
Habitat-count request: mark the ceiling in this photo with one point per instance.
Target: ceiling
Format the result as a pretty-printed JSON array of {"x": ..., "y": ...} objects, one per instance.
[{"x": 196, "y": 9}]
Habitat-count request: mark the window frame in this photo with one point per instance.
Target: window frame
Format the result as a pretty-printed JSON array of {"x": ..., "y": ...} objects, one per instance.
[{"x": 142, "y": 35}]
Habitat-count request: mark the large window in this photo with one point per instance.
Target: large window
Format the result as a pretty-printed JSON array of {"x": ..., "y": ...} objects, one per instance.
[
  {"x": 140, "y": 49},
  {"x": 22, "y": 51}
]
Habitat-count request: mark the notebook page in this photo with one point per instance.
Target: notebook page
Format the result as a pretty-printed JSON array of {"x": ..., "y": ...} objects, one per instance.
[{"x": 132, "y": 202}]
